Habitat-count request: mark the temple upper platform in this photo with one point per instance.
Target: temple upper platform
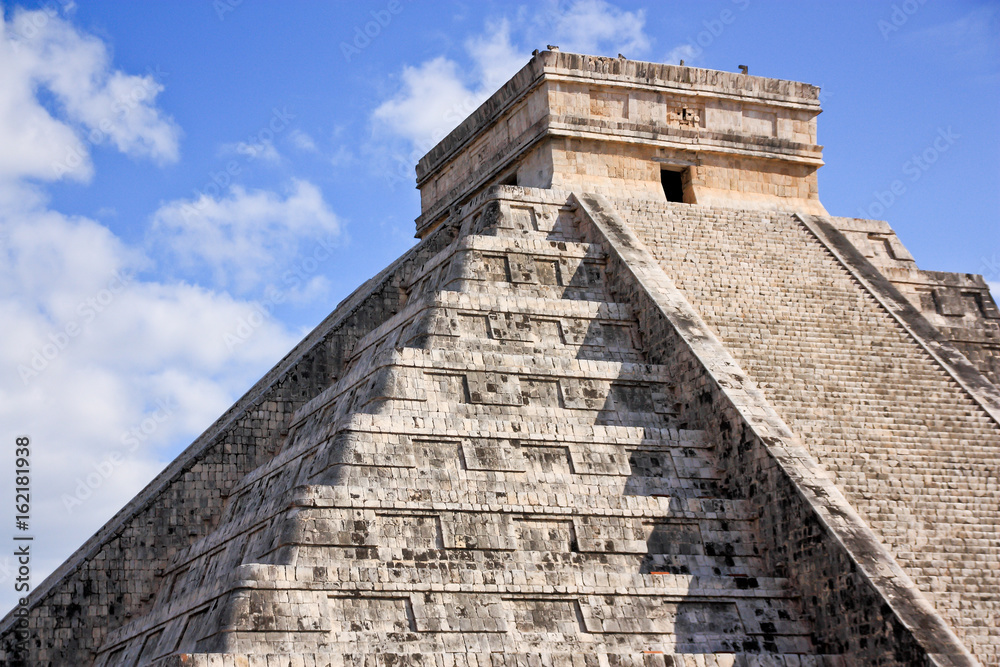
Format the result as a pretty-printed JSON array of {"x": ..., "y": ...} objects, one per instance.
[{"x": 595, "y": 124}]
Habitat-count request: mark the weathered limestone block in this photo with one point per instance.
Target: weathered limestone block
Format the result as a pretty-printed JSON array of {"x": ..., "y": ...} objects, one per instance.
[{"x": 568, "y": 430}]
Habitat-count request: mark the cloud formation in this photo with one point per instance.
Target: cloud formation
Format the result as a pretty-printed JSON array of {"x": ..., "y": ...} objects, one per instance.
[
  {"x": 111, "y": 371},
  {"x": 597, "y": 27},
  {"x": 302, "y": 141},
  {"x": 245, "y": 238},
  {"x": 436, "y": 95},
  {"x": 969, "y": 39},
  {"x": 109, "y": 374},
  {"x": 92, "y": 103}
]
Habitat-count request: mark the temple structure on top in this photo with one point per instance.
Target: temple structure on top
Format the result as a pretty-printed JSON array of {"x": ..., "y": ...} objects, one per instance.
[
  {"x": 633, "y": 398},
  {"x": 608, "y": 126}
]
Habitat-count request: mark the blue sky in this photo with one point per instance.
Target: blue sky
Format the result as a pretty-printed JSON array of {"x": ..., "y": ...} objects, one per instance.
[{"x": 187, "y": 188}]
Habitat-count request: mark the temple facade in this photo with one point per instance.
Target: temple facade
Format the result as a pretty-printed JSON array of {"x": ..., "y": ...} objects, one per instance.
[{"x": 634, "y": 398}]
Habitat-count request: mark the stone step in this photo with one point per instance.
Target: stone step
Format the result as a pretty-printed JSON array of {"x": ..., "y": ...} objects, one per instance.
[
  {"x": 533, "y": 244},
  {"x": 600, "y": 342},
  {"x": 575, "y": 269},
  {"x": 332, "y": 610},
  {"x": 576, "y": 568},
  {"x": 848, "y": 380},
  {"x": 599, "y": 412},
  {"x": 438, "y": 359},
  {"x": 592, "y": 449},
  {"x": 517, "y": 532},
  {"x": 411, "y": 383},
  {"x": 349, "y": 657},
  {"x": 515, "y": 502},
  {"x": 449, "y": 301},
  {"x": 490, "y": 323},
  {"x": 484, "y": 462},
  {"x": 646, "y": 437},
  {"x": 451, "y": 576},
  {"x": 480, "y": 285},
  {"x": 719, "y": 522},
  {"x": 565, "y": 644},
  {"x": 510, "y": 427}
]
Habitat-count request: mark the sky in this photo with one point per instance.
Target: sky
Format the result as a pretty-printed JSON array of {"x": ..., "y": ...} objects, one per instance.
[{"x": 187, "y": 188}]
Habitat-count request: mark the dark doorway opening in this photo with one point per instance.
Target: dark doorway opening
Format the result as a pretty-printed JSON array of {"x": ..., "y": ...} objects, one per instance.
[{"x": 673, "y": 185}]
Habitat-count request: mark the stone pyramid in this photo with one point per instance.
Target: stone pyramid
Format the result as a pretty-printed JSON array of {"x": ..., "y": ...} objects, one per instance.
[{"x": 633, "y": 399}]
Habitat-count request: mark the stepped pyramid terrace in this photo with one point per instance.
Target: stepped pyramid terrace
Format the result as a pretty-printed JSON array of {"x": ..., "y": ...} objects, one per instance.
[{"x": 634, "y": 398}]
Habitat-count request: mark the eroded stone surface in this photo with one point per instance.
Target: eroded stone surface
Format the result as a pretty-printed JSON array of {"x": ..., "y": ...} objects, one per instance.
[
  {"x": 565, "y": 429},
  {"x": 499, "y": 468}
]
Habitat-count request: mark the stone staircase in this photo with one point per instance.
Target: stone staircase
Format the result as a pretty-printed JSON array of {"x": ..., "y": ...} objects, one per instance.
[
  {"x": 915, "y": 455},
  {"x": 499, "y": 478}
]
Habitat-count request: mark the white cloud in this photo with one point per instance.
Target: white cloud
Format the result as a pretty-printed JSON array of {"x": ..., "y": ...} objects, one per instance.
[
  {"x": 95, "y": 103},
  {"x": 108, "y": 373},
  {"x": 263, "y": 150},
  {"x": 245, "y": 238},
  {"x": 969, "y": 39},
  {"x": 686, "y": 52},
  {"x": 994, "y": 289},
  {"x": 436, "y": 95},
  {"x": 111, "y": 372},
  {"x": 314, "y": 289},
  {"x": 496, "y": 58},
  {"x": 599, "y": 28},
  {"x": 302, "y": 141},
  {"x": 342, "y": 157},
  {"x": 430, "y": 104}
]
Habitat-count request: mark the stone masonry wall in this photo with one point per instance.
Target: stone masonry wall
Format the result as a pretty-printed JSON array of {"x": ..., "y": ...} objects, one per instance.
[
  {"x": 912, "y": 451},
  {"x": 877, "y": 619},
  {"x": 498, "y": 472},
  {"x": 114, "y": 577},
  {"x": 752, "y": 139},
  {"x": 608, "y": 168},
  {"x": 958, "y": 304}
]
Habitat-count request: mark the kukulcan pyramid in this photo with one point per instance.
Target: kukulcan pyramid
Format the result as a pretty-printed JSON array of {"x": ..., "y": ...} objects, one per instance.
[{"x": 634, "y": 399}]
